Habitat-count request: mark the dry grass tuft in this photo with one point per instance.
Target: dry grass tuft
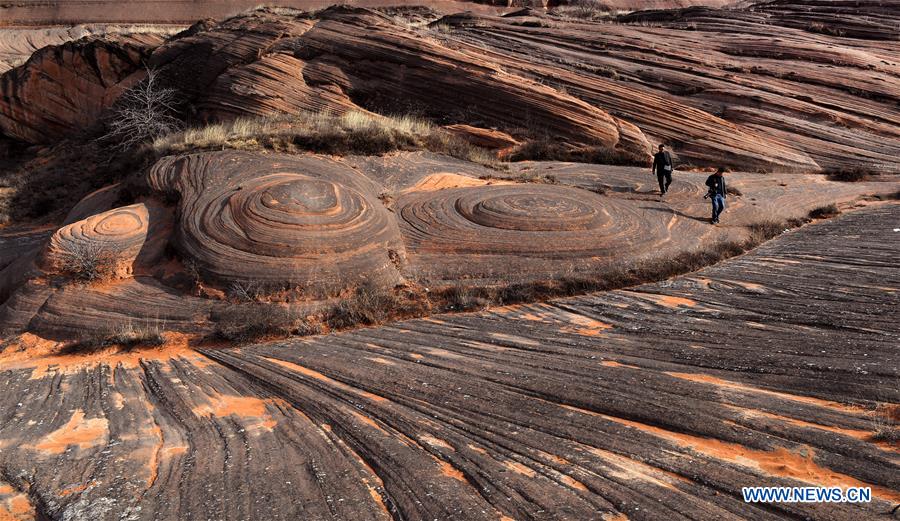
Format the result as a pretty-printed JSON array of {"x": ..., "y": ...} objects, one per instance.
[
  {"x": 765, "y": 230},
  {"x": 87, "y": 261},
  {"x": 886, "y": 423},
  {"x": 127, "y": 335},
  {"x": 248, "y": 322},
  {"x": 824, "y": 212},
  {"x": 854, "y": 175},
  {"x": 370, "y": 305},
  {"x": 354, "y": 132},
  {"x": 586, "y": 10},
  {"x": 550, "y": 149}
]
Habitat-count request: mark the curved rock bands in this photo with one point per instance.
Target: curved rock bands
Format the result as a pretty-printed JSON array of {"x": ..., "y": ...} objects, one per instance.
[
  {"x": 133, "y": 304},
  {"x": 121, "y": 236},
  {"x": 529, "y": 210},
  {"x": 280, "y": 220},
  {"x": 657, "y": 402},
  {"x": 352, "y": 58},
  {"x": 64, "y": 89},
  {"x": 520, "y": 219}
]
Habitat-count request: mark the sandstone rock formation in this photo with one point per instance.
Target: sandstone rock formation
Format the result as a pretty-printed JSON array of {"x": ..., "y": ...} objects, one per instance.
[
  {"x": 656, "y": 401},
  {"x": 62, "y": 91},
  {"x": 528, "y": 229},
  {"x": 594, "y": 407},
  {"x": 121, "y": 237},
  {"x": 63, "y": 12},
  {"x": 285, "y": 221},
  {"x": 779, "y": 86},
  {"x": 70, "y": 12},
  {"x": 741, "y": 87},
  {"x": 342, "y": 58},
  {"x": 301, "y": 229},
  {"x": 17, "y": 44}
]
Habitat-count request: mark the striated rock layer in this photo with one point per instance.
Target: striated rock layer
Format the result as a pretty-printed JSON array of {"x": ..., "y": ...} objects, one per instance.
[
  {"x": 17, "y": 44},
  {"x": 784, "y": 86},
  {"x": 299, "y": 229},
  {"x": 341, "y": 58},
  {"x": 658, "y": 402},
  {"x": 755, "y": 88},
  {"x": 129, "y": 235},
  {"x": 281, "y": 221},
  {"x": 62, "y": 91}
]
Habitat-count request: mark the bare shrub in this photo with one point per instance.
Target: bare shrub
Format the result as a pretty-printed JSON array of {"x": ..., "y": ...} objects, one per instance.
[
  {"x": 249, "y": 322},
  {"x": 549, "y": 149},
  {"x": 851, "y": 175},
  {"x": 126, "y": 335},
  {"x": 460, "y": 297},
  {"x": 371, "y": 305},
  {"x": 129, "y": 334},
  {"x": 824, "y": 212},
  {"x": 87, "y": 261},
  {"x": 886, "y": 423},
  {"x": 765, "y": 230},
  {"x": 246, "y": 291},
  {"x": 584, "y": 10},
  {"x": 142, "y": 114}
]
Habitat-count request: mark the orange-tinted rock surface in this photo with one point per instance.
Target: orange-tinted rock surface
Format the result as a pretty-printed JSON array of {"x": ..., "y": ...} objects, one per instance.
[
  {"x": 62, "y": 91},
  {"x": 752, "y": 88},
  {"x": 135, "y": 234},
  {"x": 315, "y": 226},
  {"x": 281, "y": 221},
  {"x": 341, "y": 58},
  {"x": 657, "y": 402}
]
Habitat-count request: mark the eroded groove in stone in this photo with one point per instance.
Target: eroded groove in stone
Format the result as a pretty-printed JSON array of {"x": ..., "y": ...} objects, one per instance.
[{"x": 661, "y": 401}]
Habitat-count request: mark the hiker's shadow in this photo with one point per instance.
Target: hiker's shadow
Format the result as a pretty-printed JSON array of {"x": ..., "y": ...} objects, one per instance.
[{"x": 676, "y": 212}]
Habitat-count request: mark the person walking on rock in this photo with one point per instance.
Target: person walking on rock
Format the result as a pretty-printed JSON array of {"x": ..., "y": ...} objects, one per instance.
[
  {"x": 716, "y": 194},
  {"x": 662, "y": 167}
]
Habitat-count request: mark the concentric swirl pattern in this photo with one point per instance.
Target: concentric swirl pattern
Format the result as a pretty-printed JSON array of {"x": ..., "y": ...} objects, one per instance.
[
  {"x": 119, "y": 235},
  {"x": 285, "y": 220},
  {"x": 522, "y": 220},
  {"x": 528, "y": 209}
]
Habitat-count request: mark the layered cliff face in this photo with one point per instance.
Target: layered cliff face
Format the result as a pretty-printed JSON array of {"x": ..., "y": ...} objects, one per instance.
[
  {"x": 745, "y": 87},
  {"x": 748, "y": 88},
  {"x": 62, "y": 91},
  {"x": 345, "y": 58}
]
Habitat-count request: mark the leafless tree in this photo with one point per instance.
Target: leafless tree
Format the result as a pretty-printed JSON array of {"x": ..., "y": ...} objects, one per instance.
[{"x": 143, "y": 113}]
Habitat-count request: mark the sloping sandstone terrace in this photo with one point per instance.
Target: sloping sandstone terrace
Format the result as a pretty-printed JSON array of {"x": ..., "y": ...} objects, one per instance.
[
  {"x": 658, "y": 402},
  {"x": 747, "y": 88}
]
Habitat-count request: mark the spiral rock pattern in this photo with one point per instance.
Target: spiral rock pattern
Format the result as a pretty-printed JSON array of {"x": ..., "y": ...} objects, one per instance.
[
  {"x": 122, "y": 236},
  {"x": 280, "y": 220},
  {"x": 544, "y": 221}
]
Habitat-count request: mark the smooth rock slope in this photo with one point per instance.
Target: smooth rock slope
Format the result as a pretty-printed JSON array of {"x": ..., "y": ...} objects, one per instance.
[{"x": 657, "y": 402}]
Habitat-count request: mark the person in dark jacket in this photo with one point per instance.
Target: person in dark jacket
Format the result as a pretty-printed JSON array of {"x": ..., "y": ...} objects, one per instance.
[
  {"x": 717, "y": 193},
  {"x": 662, "y": 167}
]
